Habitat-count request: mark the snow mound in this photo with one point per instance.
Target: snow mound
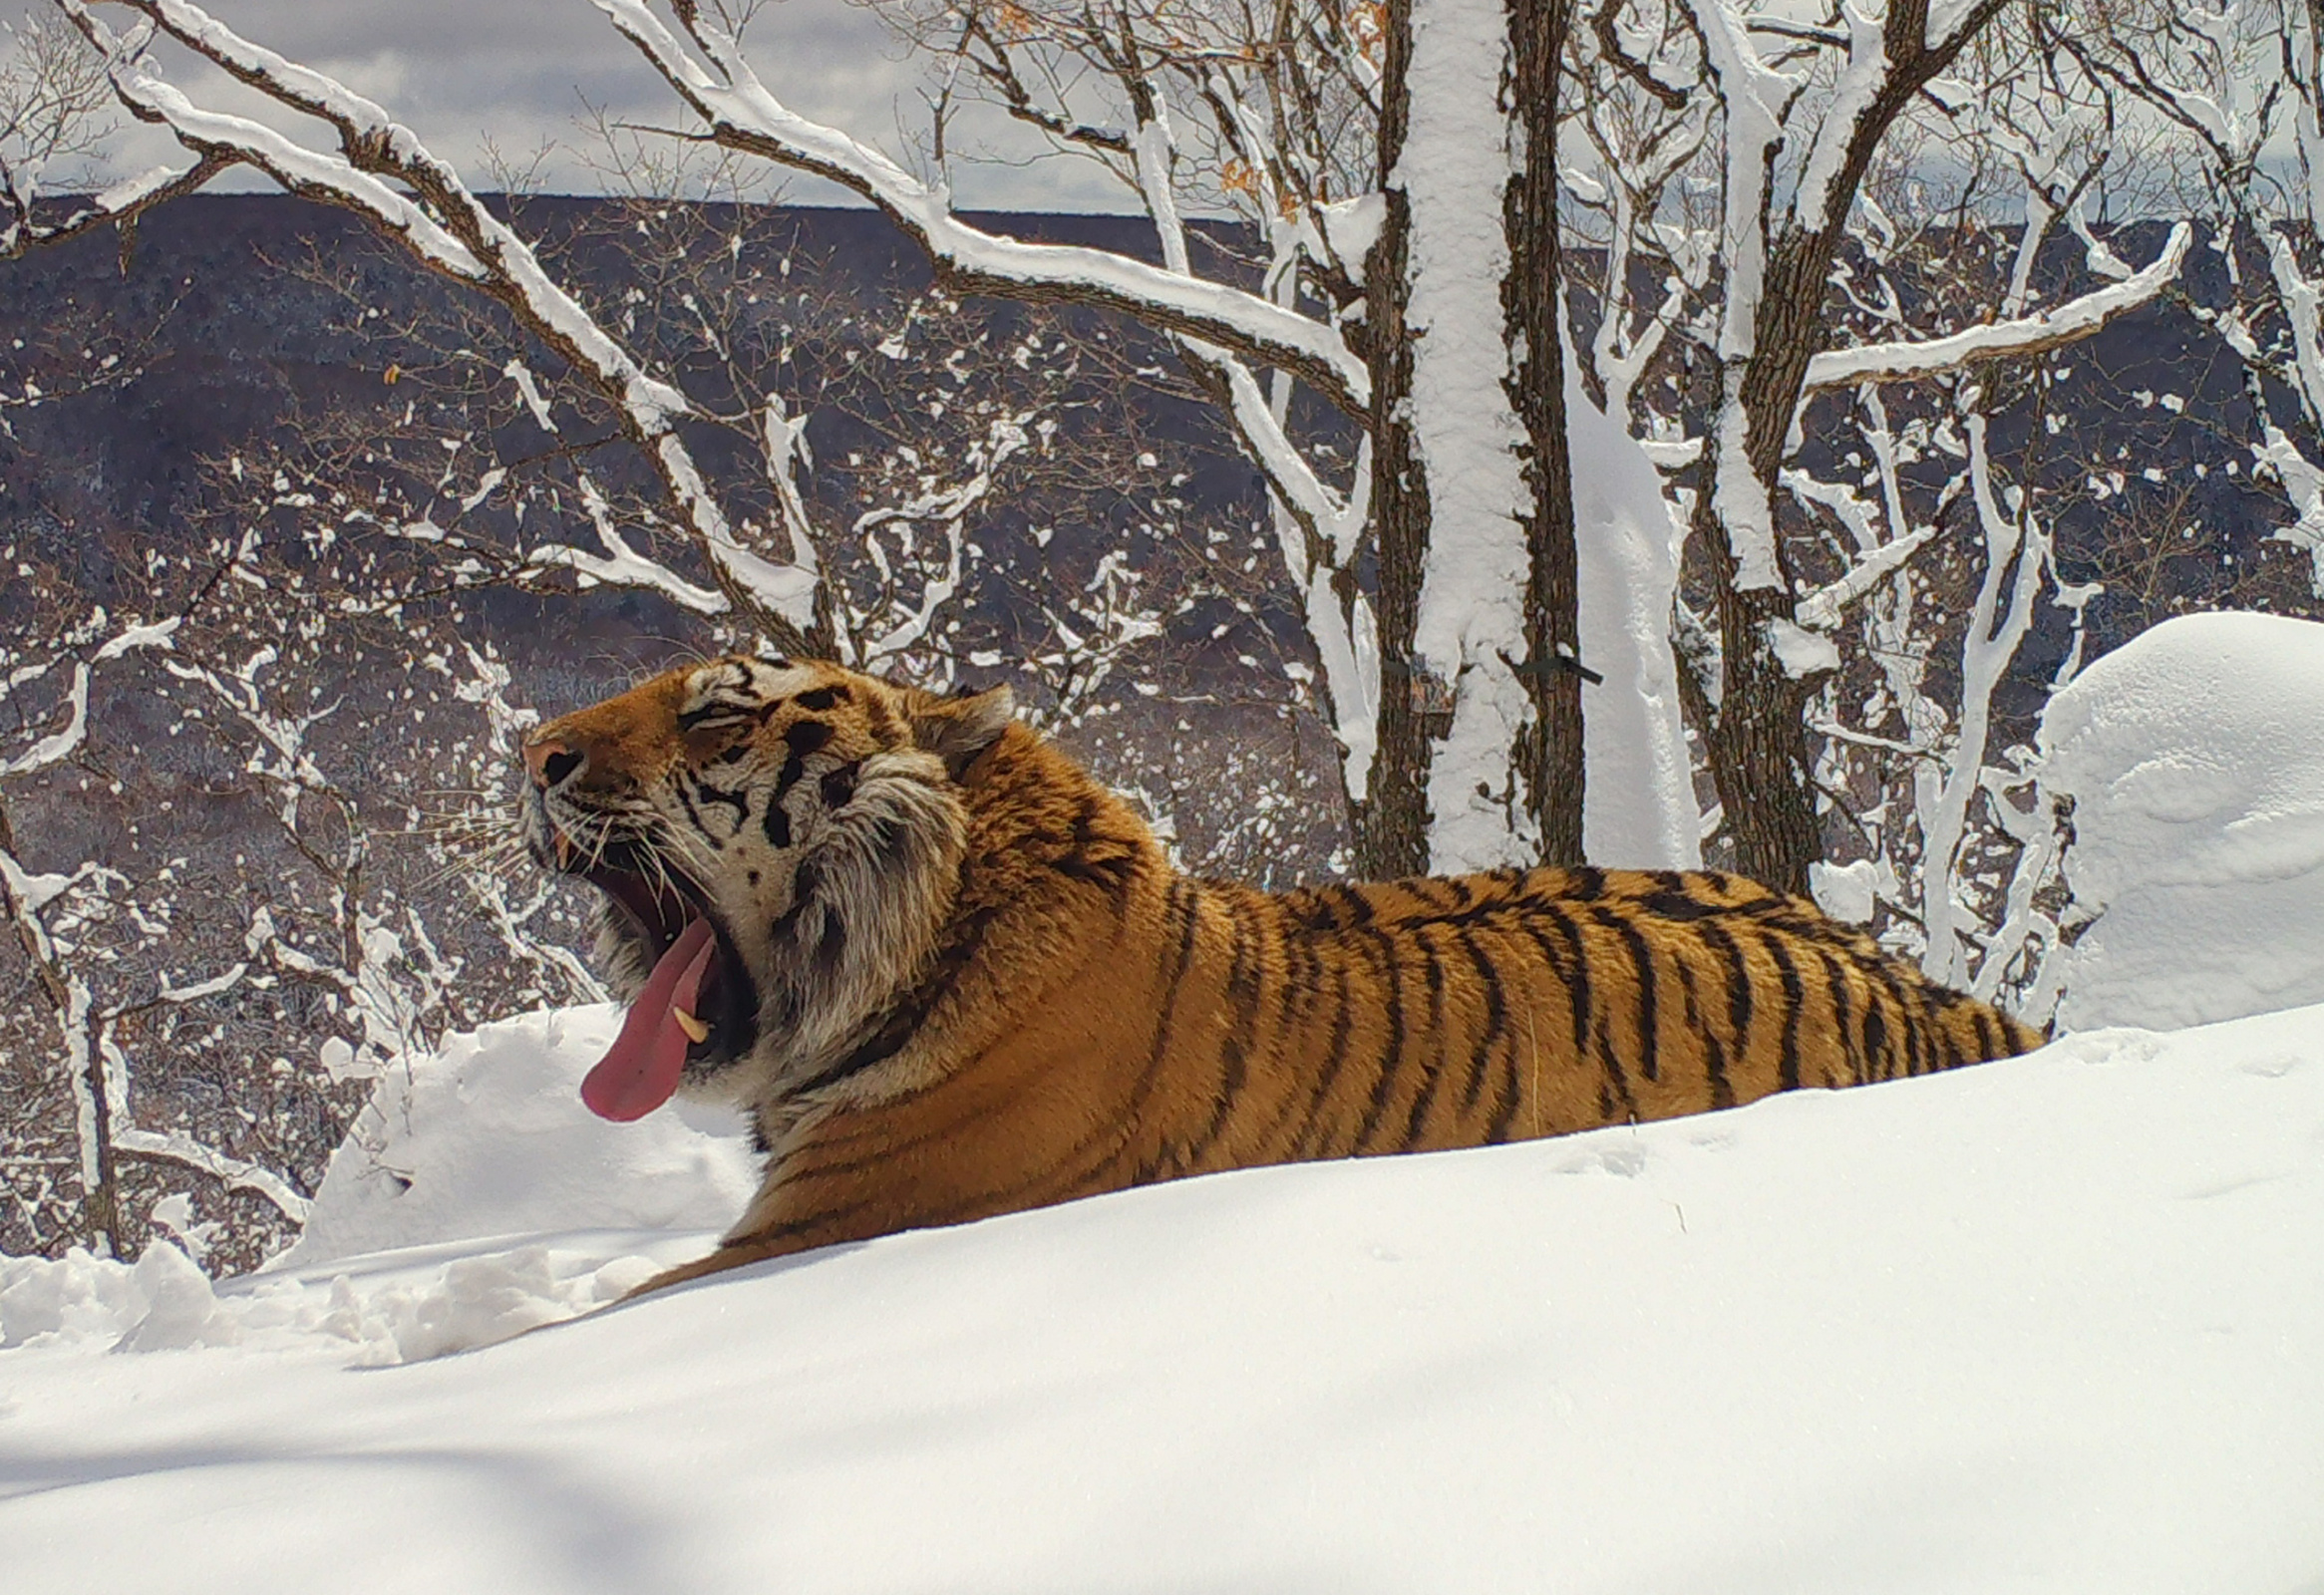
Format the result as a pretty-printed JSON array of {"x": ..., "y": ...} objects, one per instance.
[
  {"x": 2194, "y": 755},
  {"x": 475, "y": 1198},
  {"x": 490, "y": 1137}
]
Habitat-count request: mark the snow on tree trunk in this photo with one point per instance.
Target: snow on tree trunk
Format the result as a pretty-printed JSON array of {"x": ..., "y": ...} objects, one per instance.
[
  {"x": 1640, "y": 809},
  {"x": 1470, "y": 633}
]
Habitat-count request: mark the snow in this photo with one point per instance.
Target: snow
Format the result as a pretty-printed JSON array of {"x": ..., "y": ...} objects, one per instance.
[
  {"x": 1352, "y": 226},
  {"x": 1638, "y": 795},
  {"x": 2043, "y": 1325},
  {"x": 1854, "y": 97},
  {"x": 2195, "y": 758},
  {"x": 1848, "y": 892},
  {"x": 1470, "y": 628},
  {"x": 489, "y": 1137},
  {"x": 1801, "y": 652}
]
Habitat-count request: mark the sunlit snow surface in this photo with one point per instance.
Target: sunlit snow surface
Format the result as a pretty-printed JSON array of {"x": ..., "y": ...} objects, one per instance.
[{"x": 2051, "y": 1324}]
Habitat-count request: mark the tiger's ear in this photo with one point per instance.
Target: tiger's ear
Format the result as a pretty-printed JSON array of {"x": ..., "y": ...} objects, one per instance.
[{"x": 957, "y": 730}]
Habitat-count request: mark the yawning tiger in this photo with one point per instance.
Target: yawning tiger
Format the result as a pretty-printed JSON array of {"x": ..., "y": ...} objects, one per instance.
[{"x": 949, "y": 975}]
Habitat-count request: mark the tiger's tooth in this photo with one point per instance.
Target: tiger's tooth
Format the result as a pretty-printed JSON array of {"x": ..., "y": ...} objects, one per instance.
[
  {"x": 690, "y": 1025},
  {"x": 564, "y": 851}
]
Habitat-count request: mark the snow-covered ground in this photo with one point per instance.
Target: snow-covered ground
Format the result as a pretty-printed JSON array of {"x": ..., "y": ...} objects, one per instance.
[{"x": 2051, "y": 1324}]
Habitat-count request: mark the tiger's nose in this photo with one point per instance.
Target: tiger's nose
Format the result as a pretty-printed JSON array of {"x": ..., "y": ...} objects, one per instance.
[{"x": 552, "y": 763}]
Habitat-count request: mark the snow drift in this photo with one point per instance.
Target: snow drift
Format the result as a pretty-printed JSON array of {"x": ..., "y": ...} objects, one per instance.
[
  {"x": 485, "y": 1139},
  {"x": 2048, "y": 1324},
  {"x": 2194, "y": 755}
]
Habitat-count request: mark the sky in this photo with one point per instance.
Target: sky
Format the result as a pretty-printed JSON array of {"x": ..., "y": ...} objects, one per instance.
[{"x": 473, "y": 77}]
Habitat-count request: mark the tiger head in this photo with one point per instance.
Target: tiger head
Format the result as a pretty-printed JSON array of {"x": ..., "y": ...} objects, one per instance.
[{"x": 775, "y": 845}]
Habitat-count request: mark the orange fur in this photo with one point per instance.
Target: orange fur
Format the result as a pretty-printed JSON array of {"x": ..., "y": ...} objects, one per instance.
[{"x": 1083, "y": 1018}]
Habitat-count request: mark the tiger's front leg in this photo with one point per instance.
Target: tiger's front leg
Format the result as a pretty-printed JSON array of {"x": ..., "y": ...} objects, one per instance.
[{"x": 730, "y": 1254}]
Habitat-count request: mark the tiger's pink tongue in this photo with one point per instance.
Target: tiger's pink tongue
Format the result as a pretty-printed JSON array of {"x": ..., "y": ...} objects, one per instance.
[{"x": 641, "y": 1068}]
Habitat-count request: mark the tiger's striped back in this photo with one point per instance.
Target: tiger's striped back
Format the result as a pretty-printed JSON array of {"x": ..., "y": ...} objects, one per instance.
[{"x": 1457, "y": 1012}]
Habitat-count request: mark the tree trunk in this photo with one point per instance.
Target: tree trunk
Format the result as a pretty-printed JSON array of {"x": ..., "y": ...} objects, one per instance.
[
  {"x": 1758, "y": 749},
  {"x": 1391, "y": 822},
  {"x": 1394, "y": 824},
  {"x": 1551, "y": 763},
  {"x": 101, "y": 1198},
  {"x": 1758, "y": 742},
  {"x": 101, "y": 1202}
]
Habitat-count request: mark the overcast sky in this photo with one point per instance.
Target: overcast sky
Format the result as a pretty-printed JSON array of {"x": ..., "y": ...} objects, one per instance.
[{"x": 472, "y": 75}]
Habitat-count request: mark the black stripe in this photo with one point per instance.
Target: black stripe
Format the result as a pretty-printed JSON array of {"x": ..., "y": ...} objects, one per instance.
[
  {"x": 1507, "y": 1101},
  {"x": 1186, "y": 898},
  {"x": 1912, "y": 1022},
  {"x": 1795, "y": 999},
  {"x": 1575, "y": 973},
  {"x": 1496, "y": 1016},
  {"x": 839, "y": 786},
  {"x": 1642, "y": 956},
  {"x": 1100, "y": 861},
  {"x": 1738, "y": 1000},
  {"x": 1678, "y": 905},
  {"x": 1242, "y": 1009},
  {"x": 1990, "y": 1035},
  {"x": 1591, "y": 1033},
  {"x": 1439, "y": 1052},
  {"x": 1615, "y": 1087},
  {"x": 1311, "y": 1135},
  {"x": 1895, "y": 1019},
  {"x": 1698, "y": 1026},
  {"x": 1835, "y": 980},
  {"x": 1302, "y": 980},
  {"x": 1392, "y": 1054},
  {"x": 727, "y": 800}
]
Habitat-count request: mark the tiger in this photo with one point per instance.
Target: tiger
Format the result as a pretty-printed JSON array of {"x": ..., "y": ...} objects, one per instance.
[{"x": 946, "y": 974}]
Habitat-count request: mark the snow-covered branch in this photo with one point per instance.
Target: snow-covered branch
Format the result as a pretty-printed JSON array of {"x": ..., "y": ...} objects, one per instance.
[
  {"x": 742, "y": 114},
  {"x": 235, "y": 1174},
  {"x": 448, "y": 229},
  {"x": 2070, "y": 322}
]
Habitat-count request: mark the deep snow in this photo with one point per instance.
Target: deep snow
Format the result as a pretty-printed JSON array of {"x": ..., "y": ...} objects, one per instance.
[
  {"x": 2195, "y": 759},
  {"x": 2050, "y": 1323}
]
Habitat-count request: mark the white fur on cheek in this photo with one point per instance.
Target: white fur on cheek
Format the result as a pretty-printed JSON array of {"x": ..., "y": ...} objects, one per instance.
[{"x": 871, "y": 892}]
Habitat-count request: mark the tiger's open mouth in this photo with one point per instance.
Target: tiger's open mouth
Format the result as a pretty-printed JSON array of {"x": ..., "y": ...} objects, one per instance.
[{"x": 697, "y": 1009}]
